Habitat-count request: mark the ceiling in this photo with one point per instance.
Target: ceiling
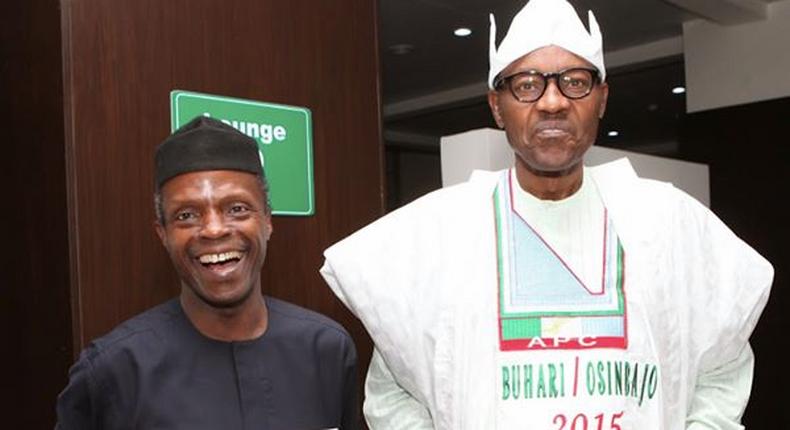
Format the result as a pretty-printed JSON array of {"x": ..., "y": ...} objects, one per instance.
[{"x": 437, "y": 87}]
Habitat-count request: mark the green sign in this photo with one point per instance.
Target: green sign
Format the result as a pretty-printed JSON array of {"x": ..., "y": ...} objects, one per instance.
[{"x": 284, "y": 136}]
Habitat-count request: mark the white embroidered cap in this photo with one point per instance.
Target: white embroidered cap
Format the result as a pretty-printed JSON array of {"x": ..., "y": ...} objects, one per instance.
[{"x": 542, "y": 23}]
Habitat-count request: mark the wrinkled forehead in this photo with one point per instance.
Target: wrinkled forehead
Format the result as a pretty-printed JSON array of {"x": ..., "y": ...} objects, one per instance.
[
  {"x": 547, "y": 59},
  {"x": 212, "y": 184}
]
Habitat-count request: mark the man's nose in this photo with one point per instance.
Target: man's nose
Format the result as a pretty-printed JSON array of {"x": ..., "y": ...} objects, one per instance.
[
  {"x": 553, "y": 100},
  {"x": 214, "y": 225}
]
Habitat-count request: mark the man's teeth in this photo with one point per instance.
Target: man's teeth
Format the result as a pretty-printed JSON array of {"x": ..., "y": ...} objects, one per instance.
[{"x": 220, "y": 258}]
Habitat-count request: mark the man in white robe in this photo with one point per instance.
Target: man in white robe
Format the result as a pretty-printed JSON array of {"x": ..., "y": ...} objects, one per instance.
[{"x": 549, "y": 295}]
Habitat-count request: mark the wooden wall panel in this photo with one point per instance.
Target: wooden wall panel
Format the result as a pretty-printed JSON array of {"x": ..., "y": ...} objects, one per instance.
[
  {"x": 749, "y": 157},
  {"x": 34, "y": 294},
  {"x": 122, "y": 60}
]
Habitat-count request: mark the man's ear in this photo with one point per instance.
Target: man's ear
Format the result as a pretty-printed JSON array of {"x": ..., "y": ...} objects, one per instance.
[
  {"x": 160, "y": 231},
  {"x": 269, "y": 228},
  {"x": 493, "y": 103},
  {"x": 604, "y": 97}
]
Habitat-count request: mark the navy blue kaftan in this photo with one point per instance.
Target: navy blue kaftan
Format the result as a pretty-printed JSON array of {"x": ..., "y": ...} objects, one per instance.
[{"x": 156, "y": 371}]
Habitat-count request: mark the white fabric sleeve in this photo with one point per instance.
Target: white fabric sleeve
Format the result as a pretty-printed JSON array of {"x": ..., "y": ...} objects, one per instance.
[
  {"x": 721, "y": 394},
  {"x": 387, "y": 405},
  {"x": 729, "y": 285}
]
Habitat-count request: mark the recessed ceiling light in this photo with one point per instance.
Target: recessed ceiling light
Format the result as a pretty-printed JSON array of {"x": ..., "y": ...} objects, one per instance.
[
  {"x": 401, "y": 49},
  {"x": 678, "y": 90},
  {"x": 613, "y": 133},
  {"x": 462, "y": 32}
]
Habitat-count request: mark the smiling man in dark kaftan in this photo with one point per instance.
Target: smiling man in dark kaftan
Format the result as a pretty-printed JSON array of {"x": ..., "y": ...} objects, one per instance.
[{"x": 221, "y": 355}]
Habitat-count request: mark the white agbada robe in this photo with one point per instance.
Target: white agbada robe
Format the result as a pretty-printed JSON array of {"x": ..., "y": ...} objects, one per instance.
[{"x": 426, "y": 281}]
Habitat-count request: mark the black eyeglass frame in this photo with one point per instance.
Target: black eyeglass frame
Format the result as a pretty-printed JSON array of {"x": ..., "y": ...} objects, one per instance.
[{"x": 547, "y": 76}]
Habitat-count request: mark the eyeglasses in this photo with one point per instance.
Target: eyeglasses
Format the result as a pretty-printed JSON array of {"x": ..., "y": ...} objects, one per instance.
[{"x": 529, "y": 86}]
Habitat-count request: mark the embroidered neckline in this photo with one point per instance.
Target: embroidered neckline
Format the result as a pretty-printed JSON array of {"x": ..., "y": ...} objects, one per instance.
[{"x": 554, "y": 251}]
